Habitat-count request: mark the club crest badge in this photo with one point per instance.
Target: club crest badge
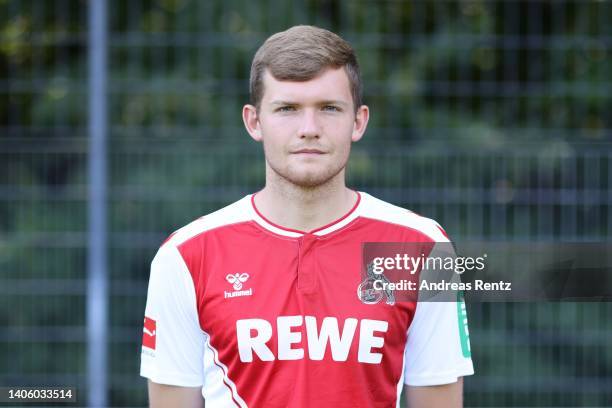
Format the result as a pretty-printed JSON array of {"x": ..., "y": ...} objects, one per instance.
[{"x": 368, "y": 294}]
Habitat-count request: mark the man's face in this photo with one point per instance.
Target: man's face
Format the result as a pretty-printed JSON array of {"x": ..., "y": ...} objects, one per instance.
[{"x": 307, "y": 127}]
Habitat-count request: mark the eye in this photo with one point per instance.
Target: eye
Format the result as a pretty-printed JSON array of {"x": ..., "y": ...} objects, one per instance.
[
  {"x": 331, "y": 108},
  {"x": 286, "y": 108}
]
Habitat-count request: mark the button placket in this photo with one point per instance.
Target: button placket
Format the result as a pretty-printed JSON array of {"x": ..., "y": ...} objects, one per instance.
[{"x": 306, "y": 276}]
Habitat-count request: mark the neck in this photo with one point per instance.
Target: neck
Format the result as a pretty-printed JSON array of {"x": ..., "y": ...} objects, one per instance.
[{"x": 304, "y": 208}]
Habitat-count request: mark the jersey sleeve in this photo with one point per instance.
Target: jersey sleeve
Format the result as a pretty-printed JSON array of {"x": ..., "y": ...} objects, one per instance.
[
  {"x": 173, "y": 342},
  {"x": 438, "y": 345}
]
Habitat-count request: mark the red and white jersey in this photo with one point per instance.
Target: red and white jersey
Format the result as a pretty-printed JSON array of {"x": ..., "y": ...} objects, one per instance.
[{"x": 263, "y": 316}]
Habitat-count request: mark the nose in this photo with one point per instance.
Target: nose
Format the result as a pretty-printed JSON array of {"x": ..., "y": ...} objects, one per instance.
[{"x": 309, "y": 127}]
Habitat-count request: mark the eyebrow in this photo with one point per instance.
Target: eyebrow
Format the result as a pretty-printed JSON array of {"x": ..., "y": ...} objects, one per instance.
[{"x": 328, "y": 102}]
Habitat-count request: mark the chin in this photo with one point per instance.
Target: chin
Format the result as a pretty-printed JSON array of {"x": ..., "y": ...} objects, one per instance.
[
  {"x": 307, "y": 175},
  {"x": 310, "y": 179},
  {"x": 309, "y": 182}
]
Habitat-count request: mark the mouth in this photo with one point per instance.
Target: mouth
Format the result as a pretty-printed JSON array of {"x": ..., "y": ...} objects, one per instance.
[{"x": 308, "y": 151}]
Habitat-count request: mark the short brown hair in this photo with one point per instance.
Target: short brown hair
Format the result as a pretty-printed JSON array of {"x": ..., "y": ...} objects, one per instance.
[{"x": 300, "y": 54}]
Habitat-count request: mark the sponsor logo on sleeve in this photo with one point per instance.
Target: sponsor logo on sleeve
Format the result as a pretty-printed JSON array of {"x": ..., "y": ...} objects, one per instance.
[
  {"x": 464, "y": 334},
  {"x": 149, "y": 332}
]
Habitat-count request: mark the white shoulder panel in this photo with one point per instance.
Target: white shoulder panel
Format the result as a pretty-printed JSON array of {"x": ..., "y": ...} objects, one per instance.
[
  {"x": 236, "y": 212},
  {"x": 377, "y": 209}
]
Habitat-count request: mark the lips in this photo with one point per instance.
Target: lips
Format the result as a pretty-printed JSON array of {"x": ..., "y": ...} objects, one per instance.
[{"x": 308, "y": 151}]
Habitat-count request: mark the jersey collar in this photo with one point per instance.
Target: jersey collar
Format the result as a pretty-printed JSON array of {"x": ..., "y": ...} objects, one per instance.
[{"x": 321, "y": 231}]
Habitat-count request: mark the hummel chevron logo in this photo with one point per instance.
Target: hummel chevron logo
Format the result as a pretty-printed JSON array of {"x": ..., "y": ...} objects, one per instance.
[{"x": 237, "y": 279}]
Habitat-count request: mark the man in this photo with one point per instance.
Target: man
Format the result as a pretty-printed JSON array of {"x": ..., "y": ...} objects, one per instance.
[{"x": 256, "y": 304}]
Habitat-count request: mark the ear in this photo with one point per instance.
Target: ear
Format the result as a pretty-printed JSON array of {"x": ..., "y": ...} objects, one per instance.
[
  {"x": 361, "y": 122},
  {"x": 251, "y": 122}
]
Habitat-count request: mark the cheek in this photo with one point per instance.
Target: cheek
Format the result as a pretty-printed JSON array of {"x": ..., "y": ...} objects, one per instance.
[
  {"x": 272, "y": 138},
  {"x": 343, "y": 150},
  {"x": 342, "y": 143}
]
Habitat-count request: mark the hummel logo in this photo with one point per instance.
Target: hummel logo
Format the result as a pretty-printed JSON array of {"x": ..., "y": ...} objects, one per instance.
[{"x": 237, "y": 279}]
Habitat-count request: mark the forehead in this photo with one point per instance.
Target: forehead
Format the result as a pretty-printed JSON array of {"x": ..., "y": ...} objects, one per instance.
[{"x": 331, "y": 83}]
